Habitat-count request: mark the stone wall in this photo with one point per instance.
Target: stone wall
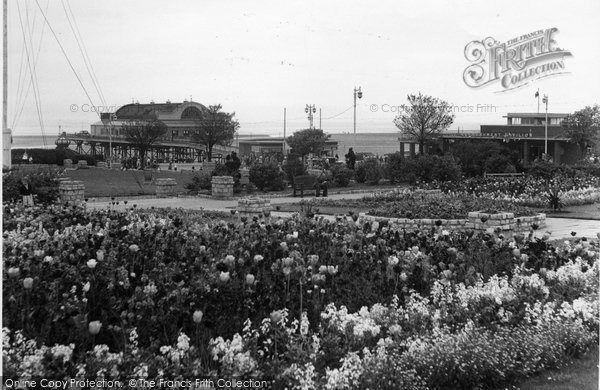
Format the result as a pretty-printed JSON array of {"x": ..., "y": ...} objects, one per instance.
[
  {"x": 71, "y": 191},
  {"x": 222, "y": 187},
  {"x": 253, "y": 205},
  {"x": 506, "y": 222},
  {"x": 165, "y": 187}
]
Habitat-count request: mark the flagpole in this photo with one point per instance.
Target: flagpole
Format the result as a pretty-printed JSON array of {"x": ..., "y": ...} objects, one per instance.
[{"x": 538, "y": 97}]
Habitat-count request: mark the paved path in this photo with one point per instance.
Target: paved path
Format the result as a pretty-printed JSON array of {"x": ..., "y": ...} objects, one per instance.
[{"x": 559, "y": 227}]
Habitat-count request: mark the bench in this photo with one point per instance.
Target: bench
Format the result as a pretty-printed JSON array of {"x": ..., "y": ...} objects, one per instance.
[{"x": 308, "y": 182}]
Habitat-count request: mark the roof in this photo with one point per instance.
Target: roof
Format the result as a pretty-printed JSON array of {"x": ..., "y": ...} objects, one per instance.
[
  {"x": 163, "y": 111},
  {"x": 534, "y": 115}
]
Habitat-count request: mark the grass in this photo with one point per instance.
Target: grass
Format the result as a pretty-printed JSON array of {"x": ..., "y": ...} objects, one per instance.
[
  {"x": 580, "y": 374},
  {"x": 107, "y": 182},
  {"x": 588, "y": 211}
]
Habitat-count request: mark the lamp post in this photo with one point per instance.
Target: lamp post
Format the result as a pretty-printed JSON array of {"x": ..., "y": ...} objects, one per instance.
[
  {"x": 545, "y": 101},
  {"x": 310, "y": 109},
  {"x": 357, "y": 93}
]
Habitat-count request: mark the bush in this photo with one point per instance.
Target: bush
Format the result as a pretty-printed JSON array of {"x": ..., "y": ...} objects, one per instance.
[
  {"x": 476, "y": 157},
  {"x": 395, "y": 167},
  {"x": 499, "y": 164},
  {"x": 52, "y": 156},
  {"x": 369, "y": 171},
  {"x": 267, "y": 176},
  {"x": 430, "y": 168},
  {"x": 44, "y": 186},
  {"x": 341, "y": 175},
  {"x": 293, "y": 167},
  {"x": 200, "y": 181}
]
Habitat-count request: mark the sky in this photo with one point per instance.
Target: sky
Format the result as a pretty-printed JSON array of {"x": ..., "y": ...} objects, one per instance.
[{"x": 257, "y": 58}]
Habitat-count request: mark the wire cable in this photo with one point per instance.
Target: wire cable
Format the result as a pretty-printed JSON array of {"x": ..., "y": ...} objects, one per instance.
[{"x": 66, "y": 57}]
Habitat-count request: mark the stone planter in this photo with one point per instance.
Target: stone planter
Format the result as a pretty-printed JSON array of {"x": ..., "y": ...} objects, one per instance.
[
  {"x": 480, "y": 220},
  {"x": 253, "y": 205},
  {"x": 222, "y": 187},
  {"x": 71, "y": 191},
  {"x": 165, "y": 187}
]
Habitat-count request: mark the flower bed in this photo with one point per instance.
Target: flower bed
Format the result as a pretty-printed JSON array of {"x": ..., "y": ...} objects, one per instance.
[
  {"x": 526, "y": 191},
  {"x": 437, "y": 206},
  {"x": 302, "y": 303}
]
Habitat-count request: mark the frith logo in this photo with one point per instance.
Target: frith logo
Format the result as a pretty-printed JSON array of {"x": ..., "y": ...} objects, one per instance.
[{"x": 516, "y": 62}]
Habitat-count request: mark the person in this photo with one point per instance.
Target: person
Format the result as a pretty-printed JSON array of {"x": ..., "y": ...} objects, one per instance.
[
  {"x": 350, "y": 159},
  {"x": 30, "y": 160},
  {"x": 26, "y": 192}
]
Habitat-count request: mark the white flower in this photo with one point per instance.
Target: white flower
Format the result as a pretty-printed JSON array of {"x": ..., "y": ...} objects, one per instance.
[
  {"x": 198, "y": 316},
  {"x": 86, "y": 287},
  {"x": 224, "y": 276},
  {"x": 92, "y": 263}
]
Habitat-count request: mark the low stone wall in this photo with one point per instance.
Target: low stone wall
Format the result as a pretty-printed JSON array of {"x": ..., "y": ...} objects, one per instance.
[
  {"x": 165, "y": 187},
  {"x": 222, "y": 187},
  {"x": 71, "y": 191},
  {"x": 253, "y": 205},
  {"x": 477, "y": 220}
]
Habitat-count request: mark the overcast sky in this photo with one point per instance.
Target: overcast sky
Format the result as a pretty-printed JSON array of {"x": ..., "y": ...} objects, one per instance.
[{"x": 255, "y": 58}]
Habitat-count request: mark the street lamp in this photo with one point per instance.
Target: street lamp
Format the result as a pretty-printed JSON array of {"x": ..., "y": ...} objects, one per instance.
[
  {"x": 357, "y": 93},
  {"x": 545, "y": 101},
  {"x": 108, "y": 120},
  {"x": 310, "y": 109}
]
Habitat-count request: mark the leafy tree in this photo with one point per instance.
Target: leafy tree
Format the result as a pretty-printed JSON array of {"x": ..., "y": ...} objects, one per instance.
[
  {"x": 216, "y": 128},
  {"x": 423, "y": 118},
  {"x": 304, "y": 142},
  {"x": 143, "y": 134},
  {"x": 582, "y": 127}
]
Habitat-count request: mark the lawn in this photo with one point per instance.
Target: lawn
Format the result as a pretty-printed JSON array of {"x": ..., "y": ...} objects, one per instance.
[
  {"x": 106, "y": 182},
  {"x": 580, "y": 374}
]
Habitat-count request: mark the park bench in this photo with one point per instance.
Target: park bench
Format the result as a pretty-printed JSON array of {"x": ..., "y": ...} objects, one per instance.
[{"x": 308, "y": 182}]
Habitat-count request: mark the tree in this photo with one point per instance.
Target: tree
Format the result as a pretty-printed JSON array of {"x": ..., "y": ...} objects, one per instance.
[
  {"x": 582, "y": 127},
  {"x": 143, "y": 134},
  {"x": 216, "y": 128},
  {"x": 423, "y": 118},
  {"x": 304, "y": 142}
]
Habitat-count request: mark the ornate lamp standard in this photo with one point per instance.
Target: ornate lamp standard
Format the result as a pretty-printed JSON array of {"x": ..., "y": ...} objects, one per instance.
[
  {"x": 357, "y": 93},
  {"x": 310, "y": 109}
]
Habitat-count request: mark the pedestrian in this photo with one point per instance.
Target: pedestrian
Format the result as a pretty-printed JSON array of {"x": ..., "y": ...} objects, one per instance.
[{"x": 26, "y": 192}]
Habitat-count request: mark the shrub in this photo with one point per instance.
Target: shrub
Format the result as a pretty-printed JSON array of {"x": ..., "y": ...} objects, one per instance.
[
  {"x": 499, "y": 164},
  {"x": 369, "y": 171},
  {"x": 44, "y": 185},
  {"x": 476, "y": 157},
  {"x": 293, "y": 167},
  {"x": 267, "y": 176},
  {"x": 52, "y": 156},
  {"x": 429, "y": 168},
  {"x": 200, "y": 181},
  {"x": 341, "y": 175},
  {"x": 395, "y": 167}
]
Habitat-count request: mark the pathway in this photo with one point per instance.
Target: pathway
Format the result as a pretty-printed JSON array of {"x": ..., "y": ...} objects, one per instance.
[{"x": 559, "y": 227}]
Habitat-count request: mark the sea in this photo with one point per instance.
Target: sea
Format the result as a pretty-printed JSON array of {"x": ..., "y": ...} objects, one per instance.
[{"x": 376, "y": 143}]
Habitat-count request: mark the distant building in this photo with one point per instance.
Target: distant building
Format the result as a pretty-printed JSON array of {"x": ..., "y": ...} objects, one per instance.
[
  {"x": 275, "y": 145},
  {"x": 181, "y": 119},
  {"x": 523, "y": 132}
]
